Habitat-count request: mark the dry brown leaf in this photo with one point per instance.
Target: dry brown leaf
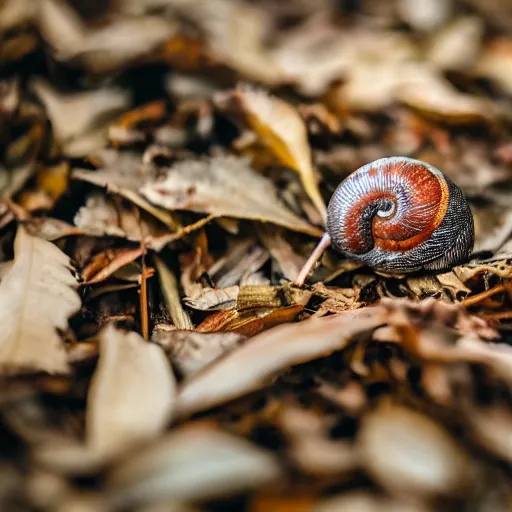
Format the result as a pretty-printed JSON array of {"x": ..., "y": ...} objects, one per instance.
[
  {"x": 424, "y": 90},
  {"x": 192, "y": 351},
  {"x": 130, "y": 401},
  {"x": 223, "y": 186},
  {"x": 257, "y": 361},
  {"x": 288, "y": 260},
  {"x": 16, "y": 12},
  {"x": 318, "y": 53},
  {"x": 99, "y": 217},
  {"x": 496, "y": 63},
  {"x": 82, "y": 113},
  {"x": 254, "y": 321},
  {"x": 253, "y": 297},
  {"x": 37, "y": 296},
  {"x": 194, "y": 463},
  {"x": 281, "y": 129},
  {"x": 132, "y": 393},
  {"x": 235, "y": 34},
  {"x": 409, "y": 454},
  {"x": 427, "y": 15},
  {"x": 107, "y": 263},
  {"x": 211, "y": 299},
  {"x": 243, "y": 257},
  {"x": 242, "y": 262},
  {"x": 360, "y": 501},
  {"x": 60, "y": 26},
  {"x": 169, "y": 284},
  {"x": 50, "y": 229},
  {"x": 499, "y": 267},
  {"x": 317, "y": 455},
  {"x": 124, "y": 173},
  {"x": 372, "y": 87},
  {"x": 491, "y": 429},
  {"x": 103, "y": 48},
  {"x": 457, "y": 46}
]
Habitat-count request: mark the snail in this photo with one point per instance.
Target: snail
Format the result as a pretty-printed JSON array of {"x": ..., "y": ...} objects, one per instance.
[{"x": 397, "y": 215}]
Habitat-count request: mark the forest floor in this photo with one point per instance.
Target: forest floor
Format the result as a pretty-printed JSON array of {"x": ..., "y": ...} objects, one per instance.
[{"x": 164, "y": 175}]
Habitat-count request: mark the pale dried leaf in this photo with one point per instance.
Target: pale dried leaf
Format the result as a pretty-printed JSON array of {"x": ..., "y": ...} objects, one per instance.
[
  {"x": 16, "y": 12},
  {"x": 318, "y": 455},
  {"x": 281, "y": 129},
  {"x": 261, "y": 358},
  {"x": 169, "y": 283},
  {"x": 422, "y": 88},
  {"x": 425, "y": 15},
  {"x": 496, "y": 63},
  {"x": 192, "y": 463},
  {"x": 451, "y": 282},
  {"x": 72, "y": 115},
  {"x": 107, "y": 48},
  {"x": 37, "y": 296},
  {"x": 192, "y": 351},
  {"x": 235, "y": 33},
  {"x": 124, "y": 173},
  {"x": 223, "y": 186},
  {"x": 211, "y": 299},
  {"x": 317, "y": 53},
  {"x": 360, "y": 501},
  {"x": 98, "y": 217},
  {"x": 491, "y": 428},
  {"x": 409, "y": 454},
  {"x": 237, "y": 270},
  {"x": 458, "y": 45},
  {"x": 51, "y": 229},
  {"x": 132, "y": 393},
  {"x": 102, "y": 48},
  {"x": 60, "y": 25}
]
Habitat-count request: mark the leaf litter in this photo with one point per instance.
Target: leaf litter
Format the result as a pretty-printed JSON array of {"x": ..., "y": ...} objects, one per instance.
[{"x": 164, "y": 174}]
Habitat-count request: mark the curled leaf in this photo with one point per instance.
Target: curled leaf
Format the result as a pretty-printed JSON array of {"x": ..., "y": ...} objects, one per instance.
[{"x": 281, "y": 129}]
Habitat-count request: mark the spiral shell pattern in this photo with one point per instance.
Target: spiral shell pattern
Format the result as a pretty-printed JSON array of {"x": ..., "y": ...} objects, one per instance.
[{"x": 398, "y": 214}]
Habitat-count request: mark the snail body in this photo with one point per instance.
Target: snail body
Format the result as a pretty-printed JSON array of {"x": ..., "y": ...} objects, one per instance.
[{"x": 399, "y": 215}]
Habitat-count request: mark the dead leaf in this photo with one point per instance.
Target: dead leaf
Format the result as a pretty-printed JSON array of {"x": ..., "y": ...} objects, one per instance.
[
  {"x": 132, "y": 393},
  {"x": 235, "y": 34},
  {"x": 209, "y": 186},
  {"x": 108, "y": 262},
  {"x": 457, "y": 46},
  {"x": 257, "y": 361},
  {"x": 175, "y": 468},
  {"x": 281, "y": 129},
  {"x": 170, "y": 290},
  {"x": 365, "y": 501},
  {"x": 391, "y": 441},
  {"x": 490, "y": 428},
  {"x": 192, "y": 351},
  {"x": 211, "y": 299},
  {"x": 74, "y": 115},
  {"x": 102, "y": 48},
  {"x": 37, "y": 296},
  {"x": 286, "y": 256},
  {"x": 495, "y": 63},
  {"x": 425, "y": 16},
  {"x": 425, "y": 91},
  {"x": 123, "y": 173}
]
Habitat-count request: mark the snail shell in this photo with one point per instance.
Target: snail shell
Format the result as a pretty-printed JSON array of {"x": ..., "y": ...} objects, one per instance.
[{"x": 398, "y": 215}]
